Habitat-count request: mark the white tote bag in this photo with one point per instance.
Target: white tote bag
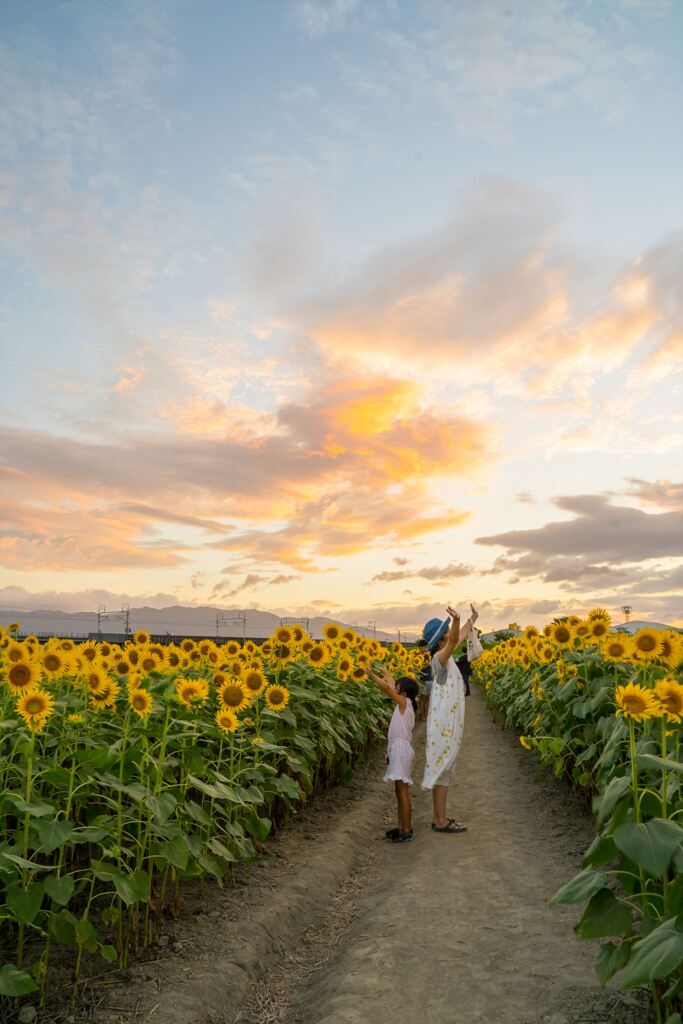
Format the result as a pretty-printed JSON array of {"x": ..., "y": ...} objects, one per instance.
[{"x": 474, "y": 648}]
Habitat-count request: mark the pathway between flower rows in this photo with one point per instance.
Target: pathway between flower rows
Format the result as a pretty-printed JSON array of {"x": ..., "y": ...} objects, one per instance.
[{"x": 455, "y": 928}]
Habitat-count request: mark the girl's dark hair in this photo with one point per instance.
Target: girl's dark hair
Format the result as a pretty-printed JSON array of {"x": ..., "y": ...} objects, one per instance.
[{"x": 410, "y": 687}]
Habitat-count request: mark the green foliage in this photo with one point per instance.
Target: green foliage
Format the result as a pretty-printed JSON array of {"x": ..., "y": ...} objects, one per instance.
[{"x": 632, "y": 881}]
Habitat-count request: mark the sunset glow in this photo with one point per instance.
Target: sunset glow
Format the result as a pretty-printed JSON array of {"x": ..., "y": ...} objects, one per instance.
[{"x": 343, "y": 307}]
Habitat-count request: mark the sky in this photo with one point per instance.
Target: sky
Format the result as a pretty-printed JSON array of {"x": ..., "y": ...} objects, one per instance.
[{"x": 345, "y": 307}]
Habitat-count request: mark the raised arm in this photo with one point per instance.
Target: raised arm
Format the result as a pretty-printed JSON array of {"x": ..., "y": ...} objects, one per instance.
[
  {"x": 467, "y": 629},
  {"x": 456, "y": 634},
  {"x": 384, "y": 679}
]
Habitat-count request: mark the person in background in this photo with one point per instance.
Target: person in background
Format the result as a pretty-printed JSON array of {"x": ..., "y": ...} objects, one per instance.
[{"x": 463, "y": 663}]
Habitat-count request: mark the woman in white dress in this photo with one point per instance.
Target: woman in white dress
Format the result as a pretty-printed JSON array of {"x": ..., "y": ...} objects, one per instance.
[{"x": 446, "y": 718}]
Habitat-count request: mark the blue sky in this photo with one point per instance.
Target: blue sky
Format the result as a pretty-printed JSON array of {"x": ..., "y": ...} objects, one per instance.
[{"x": 238, "y": 236}]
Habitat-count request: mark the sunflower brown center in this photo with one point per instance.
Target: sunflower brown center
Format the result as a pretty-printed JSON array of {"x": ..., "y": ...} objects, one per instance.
[{"x": 20, "y": 675}]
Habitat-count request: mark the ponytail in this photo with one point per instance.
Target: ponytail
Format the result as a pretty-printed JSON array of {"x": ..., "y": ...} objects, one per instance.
[{"x": 408, "y": 686}]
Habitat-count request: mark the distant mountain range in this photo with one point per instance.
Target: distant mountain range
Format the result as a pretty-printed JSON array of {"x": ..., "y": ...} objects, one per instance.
[{"x": 177, "y": 620}]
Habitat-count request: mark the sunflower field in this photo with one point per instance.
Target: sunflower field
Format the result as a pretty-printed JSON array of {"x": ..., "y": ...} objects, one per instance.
[
  {"x": 606, "y": 710},
  {"x": 128, "y": 769}
]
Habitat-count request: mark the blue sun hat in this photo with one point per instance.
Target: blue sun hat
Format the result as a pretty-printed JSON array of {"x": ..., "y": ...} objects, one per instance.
[{"x": 433, "y": 631}]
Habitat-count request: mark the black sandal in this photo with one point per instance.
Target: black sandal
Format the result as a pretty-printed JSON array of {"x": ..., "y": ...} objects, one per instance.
[
  {"x": 451, "y": 827},
  {"x": 391, "y": 833},
  {"x": 451, "y": 821}
]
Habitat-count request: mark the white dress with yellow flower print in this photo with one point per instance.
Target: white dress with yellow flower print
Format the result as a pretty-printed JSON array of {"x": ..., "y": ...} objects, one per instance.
[{"x": 445, "y": 723}]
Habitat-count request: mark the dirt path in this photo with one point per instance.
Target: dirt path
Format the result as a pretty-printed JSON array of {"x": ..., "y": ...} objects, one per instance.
[
  {"x": 457, "y": 928},
  {"x": 332, "y": 925}
]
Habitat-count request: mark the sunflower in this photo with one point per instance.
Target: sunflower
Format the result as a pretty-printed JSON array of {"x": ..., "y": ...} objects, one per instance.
[
  {"x": 345, "y": 665},
  {"x": 238, "y": 668},
  {"x": 173, "y": 657},
  {"x": 600, "y": 613},
  {"x": 232, "y": 648},
  {"x": 23, "y": 676},
  {"x": 133, "y": 654},
  {"x": 56, "y": 663},
  {"x": 358, "y": 673},
  {"x": 254, "y": 682},
  {"x": 562, "y": 634},
  {"x": 616, "y": 647},
  {"x": 190, "y": 691},
  {"x": 35, "y": 707},
  {"x": 670, "y": 696},
  {"x": 121, "y": 665},
  {"x": 105, "y": 649},
  {"x": 583, "y": 629},
  {"x": 76, "y": 718},
  {"x": 141, "y": 637},
  {"x": 283, "y": 635},
  {"x": 282, "y": 653},
  {"x": 525, "y": 743},
  {"x": 89, "y": 651},
  {"x": 319, "y": 655},
  {"x": 15, "y": 651},
  {"x": 331, "y": 631},
  {"x": 95, "y": 678},
  {"x": 141, "y": 702},
  {"x": 105, "y": 697},
  {"x": 205, "y": 647},
  {"x": 636, "y": 702},
  {"x": 14, "y": 627},
  {"x": 671, "y": 651},
  {"x": 599, "y": 627},
  {"x": 188, "y": 645},
  {"x": 342, "y": 676},
  {"x": 149, "y": 662},
  {"x": 67, "y": 645},
  {"x": 233, "y": 696},
  {"x": 277, "y": 697},
  {"x": 647, "y": 643},
  {"x": 250, "y": 647},
  {"x": 530, "y": 632},
  {"x": 298, "y": 633},
  {"x": 226, "y": 720}
]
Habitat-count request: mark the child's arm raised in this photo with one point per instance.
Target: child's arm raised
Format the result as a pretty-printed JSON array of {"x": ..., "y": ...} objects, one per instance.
[{"x": 384, "y": 679}]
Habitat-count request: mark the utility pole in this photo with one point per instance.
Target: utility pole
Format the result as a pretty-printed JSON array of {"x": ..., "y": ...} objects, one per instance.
[
  {"x": 125, "y": 614},
  {"x": 626, "y": 609},
  {"x": 223, "y": 619},
  {"x": 101, "y": 612},
  {"x": 291, "y": 620},
  {"x": 373, "y": 626},
  {"x": 399, "y": 635}
]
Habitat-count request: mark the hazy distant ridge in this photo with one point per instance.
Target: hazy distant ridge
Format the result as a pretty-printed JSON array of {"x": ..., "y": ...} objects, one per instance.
[{"x": 175, "y": 619}]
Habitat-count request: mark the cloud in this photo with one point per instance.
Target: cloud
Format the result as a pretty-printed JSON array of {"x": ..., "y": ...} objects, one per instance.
[
  {"x": 493, "y": 67},
  {"x": 598, "y": 528},
  {"x": 662, "y": 493},
  {"x": 605, "y": 549},
  {"x": 38, "y": 539},
  {"x": 80, "y": 600},
  {"x": 317, "y": 18},
  {"x": 357, "y": 459},
  {"x": 434, "y": 572},
  {"x": 250, "y": 581},
  {"x": 495, "y": 290}
]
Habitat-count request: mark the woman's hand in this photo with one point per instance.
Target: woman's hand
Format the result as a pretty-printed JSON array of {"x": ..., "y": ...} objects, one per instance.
[
  {"x": 452, "y": 612},
  {"x": 475, "y": 614}
]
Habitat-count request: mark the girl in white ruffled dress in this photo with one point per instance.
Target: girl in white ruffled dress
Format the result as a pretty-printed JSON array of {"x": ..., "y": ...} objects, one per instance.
[{"x": 400, "y": 753}]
